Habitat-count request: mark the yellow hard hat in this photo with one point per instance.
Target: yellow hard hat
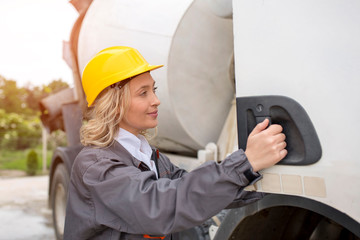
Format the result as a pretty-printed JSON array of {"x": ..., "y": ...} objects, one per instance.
[{"x": 110, "y": 66}]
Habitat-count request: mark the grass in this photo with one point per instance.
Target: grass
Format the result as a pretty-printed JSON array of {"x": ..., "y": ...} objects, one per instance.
[{"x": 16, "y": 159}]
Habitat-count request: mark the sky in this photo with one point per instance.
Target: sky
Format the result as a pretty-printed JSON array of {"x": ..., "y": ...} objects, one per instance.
[{"x": 31, "y": 38}]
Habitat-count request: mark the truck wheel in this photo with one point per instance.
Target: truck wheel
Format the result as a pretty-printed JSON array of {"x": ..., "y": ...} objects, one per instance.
[{"x": 59, "y": 188}]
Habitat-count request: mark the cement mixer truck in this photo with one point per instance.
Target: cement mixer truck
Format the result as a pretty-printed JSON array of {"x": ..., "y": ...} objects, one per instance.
[{"x": 228, "y": 65}]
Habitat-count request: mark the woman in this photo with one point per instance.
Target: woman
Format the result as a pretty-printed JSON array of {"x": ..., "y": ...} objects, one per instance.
[{"x": 121, "y": 188}]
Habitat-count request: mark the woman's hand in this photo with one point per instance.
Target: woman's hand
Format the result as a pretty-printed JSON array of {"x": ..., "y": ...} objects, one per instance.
[{"x": 265, "y": 146}]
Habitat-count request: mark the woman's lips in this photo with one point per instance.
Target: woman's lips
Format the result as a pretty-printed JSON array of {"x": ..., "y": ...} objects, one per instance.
[{"x": 153, "y": 114}]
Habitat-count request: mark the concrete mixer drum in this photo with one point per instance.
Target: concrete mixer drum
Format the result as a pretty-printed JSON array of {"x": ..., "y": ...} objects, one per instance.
[{"x": 197, "y": 84}]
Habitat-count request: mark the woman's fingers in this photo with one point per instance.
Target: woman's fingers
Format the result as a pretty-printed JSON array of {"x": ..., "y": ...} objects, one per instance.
[
  {"x": 259, "y": 127},
  {"x": 265, "y": 146},
  {"x": 281, "y": 146},
  {"x": 280, "y": 137},
  {"x": 283, "y": 153},
  {"x": 274, "y": 129}
]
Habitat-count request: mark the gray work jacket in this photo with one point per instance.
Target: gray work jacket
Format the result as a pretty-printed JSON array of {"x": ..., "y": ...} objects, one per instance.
[{"x": 112, "y": 195}]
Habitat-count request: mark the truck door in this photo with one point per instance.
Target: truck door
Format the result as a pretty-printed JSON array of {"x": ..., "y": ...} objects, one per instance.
[{"x": 297, "y": 63}]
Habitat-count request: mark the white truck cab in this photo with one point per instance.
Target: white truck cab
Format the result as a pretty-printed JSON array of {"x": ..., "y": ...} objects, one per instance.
[{"x": 298, "y": 63}]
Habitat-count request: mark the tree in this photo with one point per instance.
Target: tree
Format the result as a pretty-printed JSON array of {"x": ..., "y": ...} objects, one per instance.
[
  {"x": 56, "y": 85},
  {"x": 25, "y": 100},
  {"x": 20, "y": 126},
  {"x": 35, "y": 94},
  {"x": 32, "y": 163},
  {"x": 11, "y": 97},
  {"x": 18, "y": 131}
]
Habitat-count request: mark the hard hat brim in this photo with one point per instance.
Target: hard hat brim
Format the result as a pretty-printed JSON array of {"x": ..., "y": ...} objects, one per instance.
[{"x": 118, "y": 77}]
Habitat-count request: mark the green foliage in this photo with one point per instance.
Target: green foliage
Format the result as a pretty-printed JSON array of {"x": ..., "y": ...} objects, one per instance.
[
  {"x": 56, "y": 85},
  {"x": 32, "y": 163},
  {"x": 11, "y": 97},
  {"x": 33, "y": 96},
  {"x": 25, "y": 100},
  {"x": 20, "y": 125},
  {"x": 55, "y": 139},
  {"x": 18, "y": 132},
  {"x": 16, "y": 159},
  {"x": 12, "y": 160}
]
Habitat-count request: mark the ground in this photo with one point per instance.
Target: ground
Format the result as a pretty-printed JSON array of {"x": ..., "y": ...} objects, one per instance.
[{"x": 23, "y": 207}]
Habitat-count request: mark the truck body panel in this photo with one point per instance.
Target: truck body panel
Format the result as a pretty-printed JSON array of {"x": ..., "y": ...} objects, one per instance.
[{"x": 308, "y": 51}]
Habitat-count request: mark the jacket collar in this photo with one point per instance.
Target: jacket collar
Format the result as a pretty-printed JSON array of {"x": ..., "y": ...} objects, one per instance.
[
  {"x": 125, "y": 156},
  {"x": 129, "y": 159}
]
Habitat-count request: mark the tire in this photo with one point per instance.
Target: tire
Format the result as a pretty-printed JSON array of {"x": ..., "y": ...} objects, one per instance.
[{"x": 59, "y": 189}]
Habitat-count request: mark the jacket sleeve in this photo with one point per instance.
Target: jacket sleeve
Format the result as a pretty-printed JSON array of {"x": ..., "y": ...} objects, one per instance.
[
  {"x": 174, "y": 171},
  {"x": 242, "y": 198},
  {"x": 135, "y": 202},
  {"x": 246, "y": 197}
]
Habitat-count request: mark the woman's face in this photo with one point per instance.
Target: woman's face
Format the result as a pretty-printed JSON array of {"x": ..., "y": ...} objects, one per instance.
[{"x": 143, "y": 110}]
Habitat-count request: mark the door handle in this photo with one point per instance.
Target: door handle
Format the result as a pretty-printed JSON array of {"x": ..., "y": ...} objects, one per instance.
[
  {"x": 303, "y": 144},
  {"x": 261, "y": 119}
]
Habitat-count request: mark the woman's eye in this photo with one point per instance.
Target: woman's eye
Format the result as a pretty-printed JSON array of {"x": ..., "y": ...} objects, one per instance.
[
  {"x": 154, "y": 89},
  {"x": 143, "y": 93}
]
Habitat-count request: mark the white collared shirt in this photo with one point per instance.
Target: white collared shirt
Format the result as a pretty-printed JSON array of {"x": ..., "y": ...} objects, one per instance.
[{"x": 138, "y": 147}]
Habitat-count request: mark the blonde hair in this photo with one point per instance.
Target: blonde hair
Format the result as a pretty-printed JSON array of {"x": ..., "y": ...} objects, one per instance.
[{"x": 108, "y": 111}]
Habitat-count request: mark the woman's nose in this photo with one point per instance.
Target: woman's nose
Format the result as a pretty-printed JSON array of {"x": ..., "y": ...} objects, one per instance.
[{"x": 156, "y": 100}]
